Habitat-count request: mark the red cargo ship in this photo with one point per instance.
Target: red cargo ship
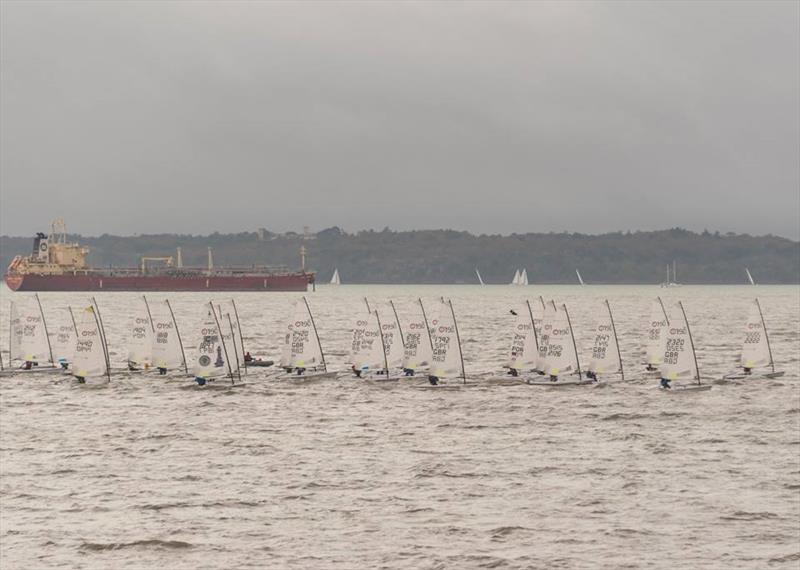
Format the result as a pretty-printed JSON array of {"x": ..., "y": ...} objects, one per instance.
[{"x": 56, "y": 265}]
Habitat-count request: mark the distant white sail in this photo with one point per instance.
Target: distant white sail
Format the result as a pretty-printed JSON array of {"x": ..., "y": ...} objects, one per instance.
[
  {"x": 516, "y": 279},
  {"x": 549, "y": 314},
  {"x": 211, "y": 356},
  {"x": 447, "y": 360},
  {"x": 605, "y": 352},
  {"x": 63, "y": 341},
  {"x": 336, "y": 280},
  {"x": 29, "y": 341},
  {"x": 749, "y": 277},
  {"x": 679, "y": 359},
  {"x": 657, "y": 327},
  {"x": 167, "y": 350},
  {"x": 580, "y": 279},
  {"x": 90, "y": 354},
  {"x": 755, "y": 348},
  {"x": 306, "y": 351},
  {"x": 561, "y": 357},
  {"x": 140, "y": 339},
  {"x": 524, "y": 350},
  {"x": 286, "y": 344},
  {"x": 418, "y": 349},
  {"x": 480, "y": 279},
  {"x": 392, "y": 337},
  {"x": 523, "y": 278}
]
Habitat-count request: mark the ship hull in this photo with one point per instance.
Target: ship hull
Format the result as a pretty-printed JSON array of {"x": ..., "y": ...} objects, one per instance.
[{"x": 97, "y": 282}]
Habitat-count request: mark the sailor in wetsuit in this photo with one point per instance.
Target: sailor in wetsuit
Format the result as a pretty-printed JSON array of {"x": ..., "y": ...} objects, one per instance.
[
  {"x": 665, "y": 384},
  {"x": 591, "y": 376},
  {"x": 747, "y": 371},
  {"x": 434, "y": 380}
]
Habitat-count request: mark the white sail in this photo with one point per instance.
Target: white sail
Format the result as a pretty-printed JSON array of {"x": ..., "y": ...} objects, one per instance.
[
  {"x": 29, "y": 340},
  {"x": 167, "y": 351},
  {"x": 561, "y": 357},
  {"x": 447, "y": 358},
  {"x": 749, "y": 276},
  {"x": 755, "y": 349},
  {"x": 63, "y": 341},
  {"x": 605, "y": 352},
  {"x": 679, "y": 360},
  {"x": 657, "y": 327},
  {"x": 523, "y": 278},
  {"x": 90, "y": 354},
  {"x": 392, "y": 338},
  {"x": 549, "y": 314},
  {"x": 211, "y": 356},
  {"x": 580, "y": 279},
  {"x": 306, "y": 351},
  {"x": 516, "y": 279},
  {"x": 480, "y": 279},
  {"x": 524, "y": 350},
  {"x": 140, "y": 339},
  {"x": 286, "y": 341},
  {"x": 418, "y": 349},
  {"x": 366, "y": 349},
  {"x": 336, "y": 280}
]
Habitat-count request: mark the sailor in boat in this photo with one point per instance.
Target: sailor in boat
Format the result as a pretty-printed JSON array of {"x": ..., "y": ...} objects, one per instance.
[
  {"x": 665, "y": 384},
  {"x": 247, "y": 357},
  {"x": 162, "y": 370},
  {"x": 591, "y": 376},
  {"x": 80, "y": 379},
  {"x": 747, "y": 371},
  {"x": 434, "y": 380},
  {"x": 29, "y": 364},
  {"x": 356, "y": 371}
]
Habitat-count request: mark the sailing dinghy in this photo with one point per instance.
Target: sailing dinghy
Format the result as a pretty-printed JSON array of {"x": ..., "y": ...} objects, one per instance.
[
  {"x": 141, "y": 337},
  {"x": 29, "y": 341},
  {"x": 367, "y": 352},
  {"x": 212, "y": 358},
  {"x": 418, "y": 344},
  {"x": 657, "y": 328},
  {"x": 393, "y": 345},
  {"x": 306, "y": 359},
  {"x": 447, "y": 361},
  {"x": 517, "y": 278},
  {"x": 756, "y": 350},
  {"x": 558, "y": 358},
  {"x": 63, "y": 341},
  {"x": 91, "y": 352},
  {"x": 606, "y": 358},
  {"x": 524, "y": 351},
  {"x": 336, "y": 280},
  {"x": 167, "y": 351},
  {"x": 680, "y": 360}
]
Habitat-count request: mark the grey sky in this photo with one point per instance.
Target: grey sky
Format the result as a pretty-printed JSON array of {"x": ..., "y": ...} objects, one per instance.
[{"x": 148, "y": 117}]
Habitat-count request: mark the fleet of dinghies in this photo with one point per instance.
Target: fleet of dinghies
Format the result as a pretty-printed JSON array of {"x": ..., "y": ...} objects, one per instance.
[{"x": 543, "y": 349}]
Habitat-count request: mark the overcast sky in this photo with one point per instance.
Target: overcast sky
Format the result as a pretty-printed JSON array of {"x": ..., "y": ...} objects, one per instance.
[{"x": 126, "y": 117}]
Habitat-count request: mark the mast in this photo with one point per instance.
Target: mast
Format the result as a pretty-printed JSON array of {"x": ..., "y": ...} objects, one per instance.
[
  {"x": 572, "y": 334},
  {"x": 241, "y": 336},
  {"x": 316, "y": 334},
  {"x": 427, "y": 325},
  {"x": 458, "y": 340},
  {"x": 46, "y": 334},
  {"x": 663, "y": 310},
  {"x": 238, "y": 365},
  {"x": 533, "y": 325},
  {"x": 222, "y": 340},
  {"x": 383, "y": 346},
  {"x": 178, "y": 334},
  {"x": 691, "y": 342},
  {"x": 749, "y": 276},
  {"x": 674, "y": 272},
  {"x": 616, "y": 340},
  {"x": 72, "y": 316},
  {"x": 766, "y": 336},
  {"x": 397, "y": 320},
  {"x": 98, "y": 317},
  {"x": 478, "y": 273},
  {"x": 366, "y": 301},
  {"x": 149, "y": 316}
]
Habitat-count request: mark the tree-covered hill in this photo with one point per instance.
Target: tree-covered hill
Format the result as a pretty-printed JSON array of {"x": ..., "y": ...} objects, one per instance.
[{"x": 446, "y": 256}]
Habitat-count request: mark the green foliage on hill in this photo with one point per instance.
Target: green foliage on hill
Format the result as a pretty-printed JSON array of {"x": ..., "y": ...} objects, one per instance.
[{"x": 446, "y": 256}]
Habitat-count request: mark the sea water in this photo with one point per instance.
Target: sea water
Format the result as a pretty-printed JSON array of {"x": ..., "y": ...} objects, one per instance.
[{"x": 143, "y": 473}]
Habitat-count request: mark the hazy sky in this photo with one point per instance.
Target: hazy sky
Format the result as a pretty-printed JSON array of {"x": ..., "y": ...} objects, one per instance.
[{"x": 126, "y": 117}]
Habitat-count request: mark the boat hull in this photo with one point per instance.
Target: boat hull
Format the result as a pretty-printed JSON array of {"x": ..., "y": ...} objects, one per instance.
[{"x": 102, "y": 282}]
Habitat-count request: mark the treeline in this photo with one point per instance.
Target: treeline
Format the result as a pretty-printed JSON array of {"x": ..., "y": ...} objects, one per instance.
[{"x": 445, "y": 256}]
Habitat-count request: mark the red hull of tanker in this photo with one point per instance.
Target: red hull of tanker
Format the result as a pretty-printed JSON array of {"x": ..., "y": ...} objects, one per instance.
[{"x": 289, "y": 282}]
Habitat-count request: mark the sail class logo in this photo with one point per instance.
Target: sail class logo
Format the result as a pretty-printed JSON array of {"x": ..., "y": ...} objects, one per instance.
[{"x": 677, "y": 331}]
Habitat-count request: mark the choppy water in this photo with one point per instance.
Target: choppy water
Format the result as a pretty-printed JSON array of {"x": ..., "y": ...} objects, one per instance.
[{"x": 344, "y": 474}]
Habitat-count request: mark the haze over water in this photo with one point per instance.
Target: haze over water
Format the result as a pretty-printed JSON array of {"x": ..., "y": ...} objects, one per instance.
[{"x": 347, "y": 474}]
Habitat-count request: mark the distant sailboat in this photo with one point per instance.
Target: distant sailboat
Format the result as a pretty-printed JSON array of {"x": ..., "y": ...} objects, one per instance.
[
  {"x": 580, "y": 279},
  {"x": 335, "y": 280},
  {"x": 480, "y": 279},
  {"x": 211, "y": 360},
  {"x": 516, "y": 279},
  {"x": 674, "y": 281},
  {"x": 29, "y": 341},
  {"x": 523, "y": 278},
  {"x": 657, "y": 327},
  {"x": 680, "y": 358},
  {"x": 606, "y": 358},
  {"x": 306, "y": 359},
  {"x": 418, "y": 343},
  {"x": 749, "y": 276},
  {"x": 447, "y": 360},
  {"x": 524, "y": 342},
  {"x": 140, "y": 337},
  {"x": 91, "y": 352},
  {"x": 167, "y": 352}
]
